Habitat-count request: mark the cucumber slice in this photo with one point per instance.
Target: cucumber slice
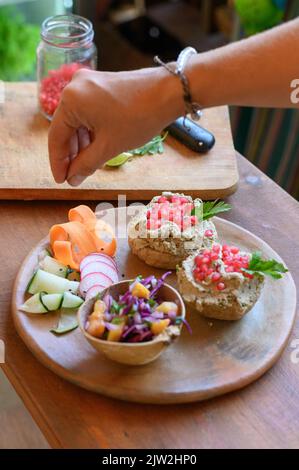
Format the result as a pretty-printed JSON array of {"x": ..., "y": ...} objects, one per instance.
[
  {"x": 34, "y": 305},
  {"x": 43, "y": 281},
  {"x": 51, "y": 265},
  {"x": 67, "y": 321},
  {"x": 52, "y": 301},
  {"x": 71, "y": 301}
]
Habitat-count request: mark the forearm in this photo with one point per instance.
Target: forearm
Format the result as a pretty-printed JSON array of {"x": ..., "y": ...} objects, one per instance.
[{"x": 253, "y": 72}]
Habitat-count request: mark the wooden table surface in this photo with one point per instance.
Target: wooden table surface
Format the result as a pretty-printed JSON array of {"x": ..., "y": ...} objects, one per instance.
[{"x": 265, "y": 414}]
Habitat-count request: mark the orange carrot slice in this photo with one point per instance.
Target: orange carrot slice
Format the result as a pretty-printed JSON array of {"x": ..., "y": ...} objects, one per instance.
[
  {"x": 63, "y": 252},
  {"x": 81, "y": 214},
  {"x": 84, "y": 234}
]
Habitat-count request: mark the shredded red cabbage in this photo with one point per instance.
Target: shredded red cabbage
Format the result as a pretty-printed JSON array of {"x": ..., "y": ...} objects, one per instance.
[{"x": 139, "y": 314}]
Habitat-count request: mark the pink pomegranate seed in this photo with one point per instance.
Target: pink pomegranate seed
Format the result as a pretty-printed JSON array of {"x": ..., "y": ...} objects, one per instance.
[
  {"x": 208, "y": 233},
  {"x": 229, "y": 269},
  {"x": 220, "y": 286},
  {"x": 237, "y": 264},
  {"x": 250, "y": 276},
  {"x": 206, "y": 259},
  {"x": 200, "y": 277},
  {"x": 162, "y": 199},
  {"x": 204, "y": 268},
  {"x": 183, "y": 200},
  {"x": 215, "y": 277},
  {"x": 198, "y": 260},
  {"x": 194, "y": 220},
  {"x": 234, "y": 250},
  {"x": 214, "y": 256},
  {"x": 148, "y": 214},
  {"x": 216, "y": 248},
  {"x": 225, "y": 248}
]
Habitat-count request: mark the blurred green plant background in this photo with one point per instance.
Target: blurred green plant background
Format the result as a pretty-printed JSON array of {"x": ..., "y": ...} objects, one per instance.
[
  {"x": 20, "y": 22},
  {"x": 18, "y": 42}
]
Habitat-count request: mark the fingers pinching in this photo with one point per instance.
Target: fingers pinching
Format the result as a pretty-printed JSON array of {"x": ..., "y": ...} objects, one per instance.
[
  {"x": 61, "y": 145},
  {"x": 84, "y": 165}
]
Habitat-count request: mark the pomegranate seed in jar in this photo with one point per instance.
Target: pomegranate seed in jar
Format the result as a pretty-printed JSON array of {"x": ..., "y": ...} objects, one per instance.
[
  {"x": 162, "y": 199},
  {"x": 234, "y": 250}
]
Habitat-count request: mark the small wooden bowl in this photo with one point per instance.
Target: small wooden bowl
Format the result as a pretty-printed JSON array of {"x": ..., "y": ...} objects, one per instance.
[{"x": 132, "y": 353}]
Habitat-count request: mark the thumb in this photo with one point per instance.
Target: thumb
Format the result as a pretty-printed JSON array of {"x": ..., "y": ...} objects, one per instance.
[
  {"x": 84, "y": 164},
  {"x": 61, "y": 145}
]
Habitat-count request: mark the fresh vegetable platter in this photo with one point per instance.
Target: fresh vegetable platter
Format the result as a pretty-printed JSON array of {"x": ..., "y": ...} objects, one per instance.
[{"x": 217, "y": 357}]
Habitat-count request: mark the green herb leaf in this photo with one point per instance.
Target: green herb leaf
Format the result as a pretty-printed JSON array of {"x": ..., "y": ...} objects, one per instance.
[
  {"x": 115, "y": 307},
  {"x": 152, "y": 147},
  {"x": 269, "y": 267},
  {"x": 209, "y": 209}
]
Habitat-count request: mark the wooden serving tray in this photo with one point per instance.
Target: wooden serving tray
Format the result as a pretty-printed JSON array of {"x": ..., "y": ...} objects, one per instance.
[
  {"x": 217, "y": 358},
  {"x": 25, "y": 171}
]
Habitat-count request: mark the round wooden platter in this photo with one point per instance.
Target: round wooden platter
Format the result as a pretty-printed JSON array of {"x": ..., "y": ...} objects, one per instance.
[{"x": 217, "y": 358}]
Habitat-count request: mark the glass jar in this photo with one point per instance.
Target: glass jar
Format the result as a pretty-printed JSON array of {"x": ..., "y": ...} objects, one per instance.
[{"x": 66, "y": 46}]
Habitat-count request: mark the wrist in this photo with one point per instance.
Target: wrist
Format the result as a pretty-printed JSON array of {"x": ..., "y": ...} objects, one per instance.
[{"x": 164, "y": 95}]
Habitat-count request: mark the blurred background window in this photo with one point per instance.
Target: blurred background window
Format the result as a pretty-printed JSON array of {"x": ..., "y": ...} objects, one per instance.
[{"x": 129, "y": 32}]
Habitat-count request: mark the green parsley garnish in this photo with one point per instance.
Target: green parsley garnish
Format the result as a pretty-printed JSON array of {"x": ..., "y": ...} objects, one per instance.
[
  {"x": 152, "y": 147},
  {"x": 269, "y": 267},
  {"x": 209, "y": 209}
]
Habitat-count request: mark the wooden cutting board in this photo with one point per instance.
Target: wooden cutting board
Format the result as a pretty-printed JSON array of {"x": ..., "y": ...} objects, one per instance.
[
  {"x": 25, "y": 171},
  {"x": 218, "y": 357}
]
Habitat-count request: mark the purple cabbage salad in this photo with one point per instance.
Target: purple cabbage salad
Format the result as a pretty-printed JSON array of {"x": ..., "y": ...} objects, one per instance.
[{"x": 140, "y": 314}]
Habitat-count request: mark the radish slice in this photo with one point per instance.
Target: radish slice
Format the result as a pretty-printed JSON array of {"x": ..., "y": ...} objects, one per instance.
[
  {"x": 93, "y": 279},
  {"x": 93, "y": 291},
  {"x": 97, "y": 257},
  {"x": 100, "y": 267}
]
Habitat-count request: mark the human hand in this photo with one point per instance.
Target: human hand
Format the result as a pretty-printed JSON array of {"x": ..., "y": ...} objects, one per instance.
[{"x": 102, "y": 114}]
